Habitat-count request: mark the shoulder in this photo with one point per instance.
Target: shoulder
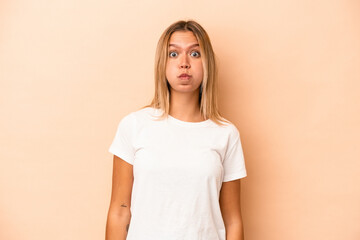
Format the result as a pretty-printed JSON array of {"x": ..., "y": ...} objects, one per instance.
[
  {"x": 141, "y": 115},
  {"x": 228, "y": 127},
  {"x": 228, "y": 132},
  {"x": 144, "y": 114}
]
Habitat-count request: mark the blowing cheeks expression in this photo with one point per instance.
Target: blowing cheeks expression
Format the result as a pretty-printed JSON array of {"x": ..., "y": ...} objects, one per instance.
[{"x": 184, "y": 70}]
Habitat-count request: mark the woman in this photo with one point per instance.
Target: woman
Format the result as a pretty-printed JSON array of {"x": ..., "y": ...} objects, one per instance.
[{"x": 177, "y": 162}]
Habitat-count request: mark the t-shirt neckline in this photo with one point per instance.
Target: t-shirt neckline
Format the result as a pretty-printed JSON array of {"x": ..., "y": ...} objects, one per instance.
[
  {"x": 185, "y": 123},
  {"x": 176, "y": 121}
]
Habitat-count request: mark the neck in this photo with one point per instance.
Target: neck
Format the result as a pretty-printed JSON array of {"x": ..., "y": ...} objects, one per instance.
[{"x": 185, "y": 106}]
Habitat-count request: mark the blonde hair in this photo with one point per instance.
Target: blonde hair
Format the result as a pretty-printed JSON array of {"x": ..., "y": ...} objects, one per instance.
[{"x": 209, "y": 88}]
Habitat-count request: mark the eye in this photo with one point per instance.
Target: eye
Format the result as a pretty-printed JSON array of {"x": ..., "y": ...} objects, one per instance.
[
  {"x": 197, "y": 54},
  {"x": 172, "y": 54}
]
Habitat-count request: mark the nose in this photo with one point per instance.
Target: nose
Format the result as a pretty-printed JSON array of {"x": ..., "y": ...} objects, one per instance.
[{"x": 184, "y": 63}]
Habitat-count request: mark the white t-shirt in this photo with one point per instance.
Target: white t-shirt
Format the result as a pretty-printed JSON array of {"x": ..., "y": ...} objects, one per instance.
[{"x": 178, "y": 172}]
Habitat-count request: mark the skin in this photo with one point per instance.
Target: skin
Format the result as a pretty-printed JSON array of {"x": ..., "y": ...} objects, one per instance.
[
  {"x": 119, "y": 215},
  {"x": 183, "y": 106},
  {"x": 231, "y": 209},
  {"x": 185, "y": 56}
]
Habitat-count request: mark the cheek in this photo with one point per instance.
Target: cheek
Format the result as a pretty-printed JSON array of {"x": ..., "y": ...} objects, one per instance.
[
  {"x": 199, "y": 67},
  {"x": 170, "y": 66},
  {"x": 167, "y": 70}
]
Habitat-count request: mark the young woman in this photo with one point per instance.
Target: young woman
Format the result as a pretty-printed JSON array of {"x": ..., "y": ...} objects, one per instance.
[{"x": 177, "y": 162}]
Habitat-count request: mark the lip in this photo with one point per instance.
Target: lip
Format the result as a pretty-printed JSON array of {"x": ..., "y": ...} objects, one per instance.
[{"x": 184, "y": 75}]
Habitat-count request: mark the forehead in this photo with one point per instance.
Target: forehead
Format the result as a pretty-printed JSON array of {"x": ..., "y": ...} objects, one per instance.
[{"x": 182, "y": 39}]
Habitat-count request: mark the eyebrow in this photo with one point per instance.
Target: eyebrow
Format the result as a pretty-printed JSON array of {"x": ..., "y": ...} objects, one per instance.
[{"x": 175, "y": 45}]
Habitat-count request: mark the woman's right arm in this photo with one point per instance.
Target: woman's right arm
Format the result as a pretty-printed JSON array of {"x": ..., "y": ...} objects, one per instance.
[{"x": 119, "y": 215}]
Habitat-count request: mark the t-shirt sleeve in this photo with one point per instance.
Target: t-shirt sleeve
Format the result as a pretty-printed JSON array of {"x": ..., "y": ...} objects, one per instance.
[
  {"x": 234, "y": 163},
  {"x": 122, "y": 143}
]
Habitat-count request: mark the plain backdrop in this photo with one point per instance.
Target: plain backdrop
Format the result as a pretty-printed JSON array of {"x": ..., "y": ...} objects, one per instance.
[{"x": 289, "y": 80}]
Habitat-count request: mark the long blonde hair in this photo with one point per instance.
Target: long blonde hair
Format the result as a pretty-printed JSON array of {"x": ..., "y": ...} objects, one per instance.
[{"x": 209, "y": 86}]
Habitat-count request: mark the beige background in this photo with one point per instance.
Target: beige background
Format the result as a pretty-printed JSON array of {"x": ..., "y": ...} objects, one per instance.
[{"x": 289, "y": 80}]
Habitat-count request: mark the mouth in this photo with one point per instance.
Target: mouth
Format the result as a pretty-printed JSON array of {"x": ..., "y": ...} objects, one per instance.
[{"x": 184, "y": 76}]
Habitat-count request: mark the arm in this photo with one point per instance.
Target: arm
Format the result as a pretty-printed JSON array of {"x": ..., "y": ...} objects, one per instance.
[
  {"x": 119, "y": 215},
  {"x": 231, "y": 210}
]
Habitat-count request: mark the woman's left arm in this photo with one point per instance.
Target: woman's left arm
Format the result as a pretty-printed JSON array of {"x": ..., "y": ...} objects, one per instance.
[{"x": 231, "y": 209}]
